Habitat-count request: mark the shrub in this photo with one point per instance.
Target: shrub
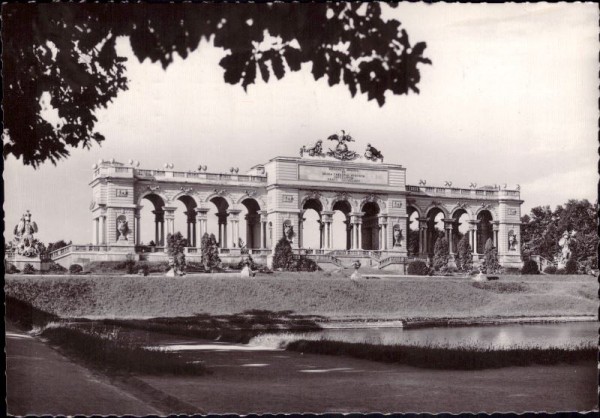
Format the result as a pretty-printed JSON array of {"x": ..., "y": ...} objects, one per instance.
[
  {"x": 464, "y": 259},
  {"x": 571, "y": 267},
  {"x": 306, "y": 264},
  {"x": 284, "y": 256},
  {"x": 176, "y": 247},
  {"x": 75, "y": 269},
  {"x": 561, "y": 271},
  {"x": 12, "y": 269},
  {"x": 550, "y": 270},
  {"x": 143, "y": 269},
  {"x": 490, "y": 262},
  {"x": 193, "y": 267},
  {"x": 530, "y": 267},
  {"x": 56, "y": 268},
  {"x": 441, "y": 254},
  {"x": 210, "y": 252},
  {"x": 418, "y": 268},
  {"x": 28, "y": 269}
]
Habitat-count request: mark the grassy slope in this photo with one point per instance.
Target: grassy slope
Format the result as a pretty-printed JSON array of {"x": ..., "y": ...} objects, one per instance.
[{"x": 314, "y": 294}]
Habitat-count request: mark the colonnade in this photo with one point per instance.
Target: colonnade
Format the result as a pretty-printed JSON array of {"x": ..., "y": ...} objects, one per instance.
[
  {"x": 353, "y": 229},
  {"x": 426, "y": 238}
]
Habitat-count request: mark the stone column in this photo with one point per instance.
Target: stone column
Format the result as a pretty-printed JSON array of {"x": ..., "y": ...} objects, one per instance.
[
  {"x": 496, "y": 228},
  {"x": 422, "y": 236},
  {"x": 263, "y": 231},
  {"x": 234, "y": 222},
  {"x": 159, "y": 222},
  {"x": 201, "y": 225},
  {"x": 327, "y": 218},
  {"x": 382, "y": 223},
  {"x": 95, "y": 239},
  {"x": 449, "y": 228},
  {"x": 138, "y": 232},
  {"x": 170, "y": 221},
  {"x": 222, "y": 229},
  {"x": 473, "y": 231},
  {"x": 359, "y": 230},
  {"x": 301, "y": 220}
]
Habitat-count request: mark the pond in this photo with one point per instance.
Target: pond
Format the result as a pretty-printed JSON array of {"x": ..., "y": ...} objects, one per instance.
[{"x": 569, "y": 334}]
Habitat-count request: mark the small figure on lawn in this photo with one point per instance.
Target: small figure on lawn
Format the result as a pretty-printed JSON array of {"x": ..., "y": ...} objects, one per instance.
[
  {"x": 247, "y": 270},
  {"x": 356, "y": 275}
]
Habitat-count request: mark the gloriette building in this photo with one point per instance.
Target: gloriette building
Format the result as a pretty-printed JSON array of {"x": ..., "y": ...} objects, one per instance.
[{"x": 387, "y": 222}]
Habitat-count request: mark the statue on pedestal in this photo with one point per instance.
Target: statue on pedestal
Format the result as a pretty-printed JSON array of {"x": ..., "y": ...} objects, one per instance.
[
  {"x": 122, "y": 229},
  {"x": 341, "y": 151},
  {"x": 373, "y": 154},
  {"x": 565, "y": 252},
  {"x": 315, "y": 150},
  {"x": 24, "y": 242},
  {"x": 397, "y": 236}
]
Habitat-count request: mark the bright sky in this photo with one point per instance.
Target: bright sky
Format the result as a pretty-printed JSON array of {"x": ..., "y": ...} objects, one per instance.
[{"x": 511, "y": 98}]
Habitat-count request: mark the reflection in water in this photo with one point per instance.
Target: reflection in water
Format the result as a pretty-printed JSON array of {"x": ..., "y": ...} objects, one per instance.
[{"x": 494, "y": 336}]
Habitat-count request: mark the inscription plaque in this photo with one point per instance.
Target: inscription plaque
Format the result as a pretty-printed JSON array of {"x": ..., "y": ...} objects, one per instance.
[
  {"x": 122, "y": 192},
  {"x": 342, "y": 175}
]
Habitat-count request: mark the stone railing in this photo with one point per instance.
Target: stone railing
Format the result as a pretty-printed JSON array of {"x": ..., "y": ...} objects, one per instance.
[
  {"x": 460, "y": 192},
  {"x": 376, "y": 254},
  {"x": 77, "y": 248},
  {"x": 323, "y": 258},
  {"x": 119, "y": 171},
  {"x": 384, "y": 262}
]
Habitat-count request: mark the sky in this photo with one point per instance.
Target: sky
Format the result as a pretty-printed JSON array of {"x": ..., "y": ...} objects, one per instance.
[{"x": 511, "y": 98}]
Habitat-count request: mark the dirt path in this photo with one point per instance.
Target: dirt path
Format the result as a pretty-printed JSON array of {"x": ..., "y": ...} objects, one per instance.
[
  {"x": 40, "y": 381},
  {"x": 279, "y": 381}
]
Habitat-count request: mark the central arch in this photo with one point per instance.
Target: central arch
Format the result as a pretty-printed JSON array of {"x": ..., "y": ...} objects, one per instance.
[
  {"x": 312, "y": 225},
  {"x": 341, "y": 222},
  {"x": 370, "y": 226},
  {"x": 152, "y": 221}
]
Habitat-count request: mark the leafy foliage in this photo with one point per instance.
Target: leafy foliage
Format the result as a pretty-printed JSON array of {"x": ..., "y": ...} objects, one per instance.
[
  {"x": 56, "y": 268},
  {"x": 306, "y": 264},
  {"x": 283, "y": 258},
  {"x": 176, "y": 244},
  {"x": 68, "y": 52},
  {"x": 550, "y": 270},
  {"x": 11, "y": 269},
  {"x": 530, "y": 267},
  {"x": 464, "y": 259},
  {"x": 413, "y": 242},
  {"x": 418, "y": 268},
  {"x": 571, "y": 267},
  {"x": 542, "y": 230},
  {"x": 75, "y": 269},
  {"x": 490, "y": 262},
  {"x": 28, "y": 269},
  {"x": 210, "y": 252},
  {"x": 441, "y": 254}
]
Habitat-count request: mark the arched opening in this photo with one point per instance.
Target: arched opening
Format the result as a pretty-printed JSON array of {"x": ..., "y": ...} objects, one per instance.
[
  {"x": 341, "y": 228},
  {"x": 152, "y": 221},
  {"x": 312, "y": 225},
  {"x": 251, "y": 223},
  {"x": 370, "y": 226},
  {"x": 460, "y": 228},
  {"x": 185, "y": 219},
  {"x": 413, "y": 231},
  {"x": 435, "y": 228},
  {"x": 217, "y": 220},
  {"x": 485, "y": 230}
]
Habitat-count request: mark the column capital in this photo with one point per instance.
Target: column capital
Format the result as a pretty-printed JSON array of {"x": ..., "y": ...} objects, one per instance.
[{"x": 202, "y": 211}]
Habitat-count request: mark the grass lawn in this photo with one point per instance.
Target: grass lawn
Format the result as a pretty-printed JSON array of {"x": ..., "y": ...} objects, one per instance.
[{"x": 331, "y": 295}]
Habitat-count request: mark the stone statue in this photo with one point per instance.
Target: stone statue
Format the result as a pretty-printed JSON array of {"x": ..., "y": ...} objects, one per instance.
[
  {"x": 315, "y": 150},
  {"x": 24, "y": 242},
  {"x": 565, "y": 252},
  {"x": 288, "y": 231},
  {"x": 373, "y": 154},
  {"x": 512, "y": 241},
  {"x": 341, "y": 151},
  {"x": 122, "y": 229},
  {"x": 397, "y": 236}
]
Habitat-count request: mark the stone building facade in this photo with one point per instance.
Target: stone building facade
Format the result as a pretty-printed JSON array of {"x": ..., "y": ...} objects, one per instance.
[{"x": 378, "y": 206}]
